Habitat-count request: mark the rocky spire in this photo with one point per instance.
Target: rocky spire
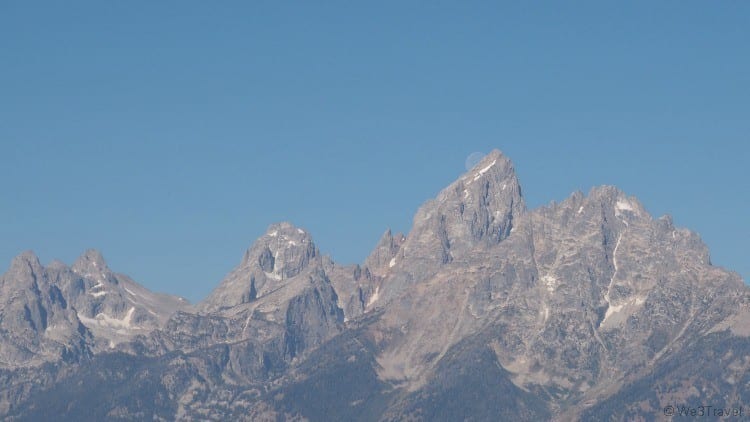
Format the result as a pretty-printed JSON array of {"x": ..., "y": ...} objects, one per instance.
[
  {"x": 385, "y": 252},
  {"x": 479, "y": 208},
  {"x": 476, "y": 212},
  {"x": 25, "y": 263},
  {"x": 90, "y": 262},
  {"x": 282, "y": 253}
]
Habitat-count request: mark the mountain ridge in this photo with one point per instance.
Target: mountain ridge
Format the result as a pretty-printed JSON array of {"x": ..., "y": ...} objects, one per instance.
[
  {"x": 564, "y": 307},
  {"x": 479, "y": 169}
]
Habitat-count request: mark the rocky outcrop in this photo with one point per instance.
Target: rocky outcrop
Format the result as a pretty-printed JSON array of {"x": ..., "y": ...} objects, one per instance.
[
  {"x": 62, "y": 313},
  {"x": 384, "y": 256},
  {"x": 284, "y": 252},
  {"x": 479, "y": 209},
  {"x": 37, "y": 323},
  {"x": 112, "y": 306}
]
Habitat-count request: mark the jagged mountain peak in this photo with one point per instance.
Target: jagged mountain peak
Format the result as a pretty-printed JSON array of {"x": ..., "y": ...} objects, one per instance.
[
  {"x": 615, "y": 197},
  {"x": 607, "y": 199},
  {"x": 475, "y": 213},
  {"x": 284, "y": 228},
  {"x": 491, "y": 186},
  {"x": 282, "y": 253},
  {"x": 606, "y": 205},
  {"x": 494, "y": 166},
  {"x": 112, "y": 306},
  {"x": 90, "y": 262},
  {"x": 25, "y": 262},
  {"x": 278, "y": 238},
  {"x": 495, "y": 162},
  {"x": 479, "y": 207},
  {"x": 384, "y": 254},
  {"x": 562, "y": 306},
  {"x": 35, "y": 319}
]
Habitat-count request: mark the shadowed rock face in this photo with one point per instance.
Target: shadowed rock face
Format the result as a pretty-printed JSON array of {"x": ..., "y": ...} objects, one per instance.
[
  {"x": 37, "y": 323},
  {"x": 284, "y": 252},
  {"x": 385, "y": 254},
  {"x": 112, "y": 306},
  {"x": 574, "y": 311},
  {"x": 281, "y": 281},
  {"x": 277, "y": 305},
  {"x": 65, "y": 312},
  {"x": 478, "y": 209}
]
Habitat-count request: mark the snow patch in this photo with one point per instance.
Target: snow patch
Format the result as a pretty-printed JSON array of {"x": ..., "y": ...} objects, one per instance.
[
  {"x": 624, "y": 205},
  {"x": 484, "y": 170},
  {"x": 129, "y": 291},
  {"x": 273, "y": 276},
  {"x": 98, "y": 294},
  {"x": 551, "y": 282},
  {"x": 300, "y": 231},
  {"x": 611, "y": 310},
  {"x": 374, "y": 298},
  {"x": 392, "y": 263},
  {"x": 104, "y": 320},
  {"x": 580, "y": 210},
  {"x": 274, "y": 233},
  {"x": 630, "y": 303}
]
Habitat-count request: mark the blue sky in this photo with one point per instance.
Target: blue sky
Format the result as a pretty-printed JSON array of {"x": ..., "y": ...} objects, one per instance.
[{"x": 170, "y": 135}]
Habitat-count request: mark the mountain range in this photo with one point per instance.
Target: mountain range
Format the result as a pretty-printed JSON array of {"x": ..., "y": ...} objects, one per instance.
[{"x": 587, "y": 309}]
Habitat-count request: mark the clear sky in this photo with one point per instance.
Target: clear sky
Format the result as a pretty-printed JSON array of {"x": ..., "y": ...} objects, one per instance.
[{"x": 169, "y": 135}]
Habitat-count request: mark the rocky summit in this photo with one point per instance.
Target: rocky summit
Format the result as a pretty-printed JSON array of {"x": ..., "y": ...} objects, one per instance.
[{"x": 588, "y": 309}]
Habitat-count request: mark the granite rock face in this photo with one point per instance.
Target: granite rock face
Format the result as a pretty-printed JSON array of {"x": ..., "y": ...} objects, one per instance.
[
  {"x": 587, "y": 309},
  {"x": 284, "y": 252},
  {"x": 37, "y": 323},
  {"x": 112, "y": 306},
  {"x": 478, "y": 210}
]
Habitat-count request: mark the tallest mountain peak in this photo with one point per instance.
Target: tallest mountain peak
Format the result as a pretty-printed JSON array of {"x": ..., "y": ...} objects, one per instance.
[
  {"x": 493, "y": 155},
  {"x": 478, "y": 208},
  {"x": 486, "y": 198},
  {"x": 494, "y": 165}
]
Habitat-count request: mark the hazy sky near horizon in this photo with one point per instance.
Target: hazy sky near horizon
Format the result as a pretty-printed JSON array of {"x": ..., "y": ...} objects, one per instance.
[{"x": 169, "y": 135}]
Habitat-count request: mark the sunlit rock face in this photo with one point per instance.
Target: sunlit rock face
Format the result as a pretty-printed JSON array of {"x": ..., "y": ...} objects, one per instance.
[{"x": 586, "y": 309}]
